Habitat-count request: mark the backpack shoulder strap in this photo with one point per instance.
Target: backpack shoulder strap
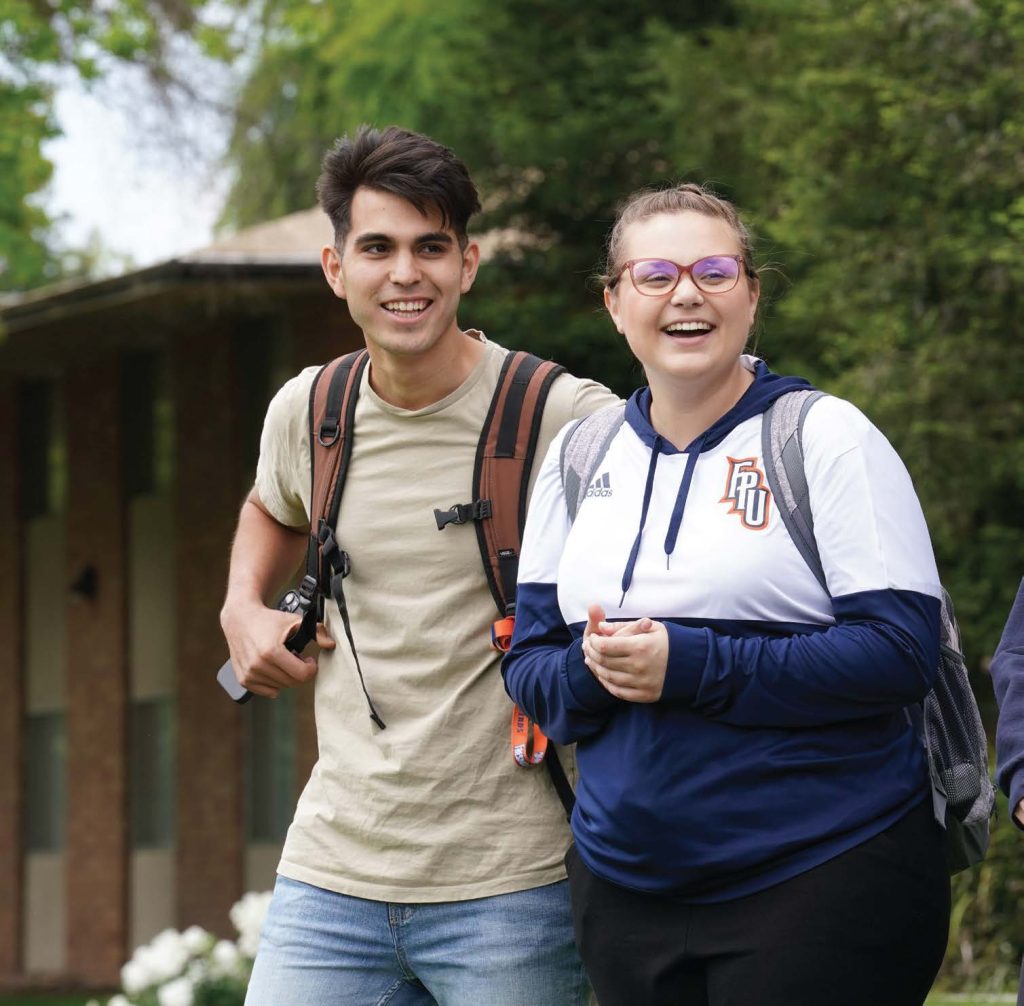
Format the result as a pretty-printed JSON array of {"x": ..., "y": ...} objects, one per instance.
[
  {"x": 332, "y": 410},
  {"x": 583, "y": 448},
  {"x": 332, "y": 406},
  {"x": 948, "y": 720},
  {"x": 783, "y": 454},
  {"x": 501, "y": 475}
]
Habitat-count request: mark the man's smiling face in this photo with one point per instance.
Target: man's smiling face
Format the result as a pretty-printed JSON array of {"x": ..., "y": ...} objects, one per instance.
[{"x": 402, "y": 273}]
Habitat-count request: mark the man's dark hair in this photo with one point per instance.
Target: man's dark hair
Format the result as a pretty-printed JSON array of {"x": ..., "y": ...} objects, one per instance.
[{"x": 405, "y": 164}]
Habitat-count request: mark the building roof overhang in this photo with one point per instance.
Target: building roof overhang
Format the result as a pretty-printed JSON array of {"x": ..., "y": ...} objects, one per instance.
[{"x": 286, "y": 250}]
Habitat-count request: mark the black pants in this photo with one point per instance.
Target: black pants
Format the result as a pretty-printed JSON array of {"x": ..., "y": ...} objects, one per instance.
[{"x": 867, "y": 928}]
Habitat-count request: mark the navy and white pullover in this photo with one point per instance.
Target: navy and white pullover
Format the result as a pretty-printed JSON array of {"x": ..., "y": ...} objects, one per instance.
[{"x": 780, "y": 739}]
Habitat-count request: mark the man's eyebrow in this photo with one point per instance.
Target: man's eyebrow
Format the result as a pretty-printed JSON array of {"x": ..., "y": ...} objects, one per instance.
[
  {"x": 432, "y": 237},
  {"x": 372, "y": 239}
]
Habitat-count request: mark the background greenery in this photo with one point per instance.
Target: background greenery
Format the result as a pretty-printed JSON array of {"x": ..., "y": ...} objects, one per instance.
[{"x": 877, "y": 146}]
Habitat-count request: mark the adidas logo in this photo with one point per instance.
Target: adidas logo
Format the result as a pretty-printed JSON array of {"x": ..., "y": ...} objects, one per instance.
[{"x": 601, "y": 486}]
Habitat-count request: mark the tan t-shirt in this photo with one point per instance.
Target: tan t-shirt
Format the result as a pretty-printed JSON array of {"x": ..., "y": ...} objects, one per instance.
[{"x": 433, "y": 808}]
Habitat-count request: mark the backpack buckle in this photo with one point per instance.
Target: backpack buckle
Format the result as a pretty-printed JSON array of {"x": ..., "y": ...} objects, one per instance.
[
  {"x": 307, "y": 590},
  {"x": 460, "y": 513}
]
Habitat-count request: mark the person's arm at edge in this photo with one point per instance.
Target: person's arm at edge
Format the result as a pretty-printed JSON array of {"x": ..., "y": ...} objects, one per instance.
[
  {"x": 1007, "y": 670},
  {"x": 264, "y": 553}
]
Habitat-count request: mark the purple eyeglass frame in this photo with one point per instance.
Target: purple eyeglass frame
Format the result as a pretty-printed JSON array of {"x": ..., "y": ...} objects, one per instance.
[{"x": 683, "y": 270}]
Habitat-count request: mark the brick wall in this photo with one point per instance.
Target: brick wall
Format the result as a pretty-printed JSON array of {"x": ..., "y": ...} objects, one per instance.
[
  {"x": 210, "y": 827},
  {"x": 11, "y": 806},
  {"x": 97, "y": 680}
]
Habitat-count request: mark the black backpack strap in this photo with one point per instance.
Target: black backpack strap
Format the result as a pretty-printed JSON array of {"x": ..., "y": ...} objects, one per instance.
[{"x": 332, "y": 409}]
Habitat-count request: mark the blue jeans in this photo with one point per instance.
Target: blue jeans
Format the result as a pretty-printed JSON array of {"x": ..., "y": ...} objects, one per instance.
[{"x": 319, "y": 948}]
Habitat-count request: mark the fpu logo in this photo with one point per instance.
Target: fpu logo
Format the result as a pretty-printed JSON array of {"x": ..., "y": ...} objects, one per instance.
[{"x": 747, "y": 493}]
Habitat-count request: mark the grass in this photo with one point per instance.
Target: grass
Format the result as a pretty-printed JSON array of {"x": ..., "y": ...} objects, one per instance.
[
  {"x": 28, "y": 999},
  {"x": 969, "y": 1000}
]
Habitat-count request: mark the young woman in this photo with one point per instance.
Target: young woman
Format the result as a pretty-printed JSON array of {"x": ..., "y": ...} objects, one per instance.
[{"x": 753, "y": 825}]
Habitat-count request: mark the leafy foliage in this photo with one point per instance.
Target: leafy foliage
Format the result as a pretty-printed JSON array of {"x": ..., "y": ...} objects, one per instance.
[
  {"x": 987, "y": 927},
  {"x": 38, "y": 41}
]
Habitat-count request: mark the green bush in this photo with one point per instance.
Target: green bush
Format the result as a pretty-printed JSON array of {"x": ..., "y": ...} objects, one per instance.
[{"x": 986, "y": 931}]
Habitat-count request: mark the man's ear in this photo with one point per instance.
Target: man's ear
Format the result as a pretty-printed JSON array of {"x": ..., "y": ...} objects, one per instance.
[
  {"x": 330, "y": 262},
  {"x": 470, "y": 264}
]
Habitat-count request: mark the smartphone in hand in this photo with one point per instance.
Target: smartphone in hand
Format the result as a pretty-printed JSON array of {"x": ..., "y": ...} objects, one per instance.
[{"x": 291, "y": 601}]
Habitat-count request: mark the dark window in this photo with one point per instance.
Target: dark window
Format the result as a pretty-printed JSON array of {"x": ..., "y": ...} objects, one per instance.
[
  {"x": 151, "y": 774},
  {"x": 259, "y": 350},
  {"x": 45, "y": 782},
  {"x": 42, "y": 451},
  {"x": 147, "y": 422},
  {"x": 270, "y": 767}
]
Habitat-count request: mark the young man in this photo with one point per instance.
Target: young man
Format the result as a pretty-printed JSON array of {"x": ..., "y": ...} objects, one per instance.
[{"x": 423, "y": 865}]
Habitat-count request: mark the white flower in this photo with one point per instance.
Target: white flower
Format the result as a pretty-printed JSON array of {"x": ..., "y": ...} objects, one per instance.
[
  {"x": 226, "y": 957},
  {"x": 119, "y": 1000},
  {"x": 196, "y": 939},
  {"x": 198, "y": 970},
  {"x": 165, "y": 957},
  {"x": 135, "y": 976},
  {"x": 176, "y": 993},
  {"x": 247, "y": 916}
]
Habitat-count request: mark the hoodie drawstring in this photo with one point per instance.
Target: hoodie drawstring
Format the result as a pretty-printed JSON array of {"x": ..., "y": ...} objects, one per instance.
[
  {"x": 680, "y": 505},
  {"x": 627, "y": 576}
]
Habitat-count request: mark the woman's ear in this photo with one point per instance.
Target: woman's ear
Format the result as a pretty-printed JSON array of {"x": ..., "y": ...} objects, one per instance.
[
  {"x": 755, "y": 296},
  {"x": 611, "y": 303}
]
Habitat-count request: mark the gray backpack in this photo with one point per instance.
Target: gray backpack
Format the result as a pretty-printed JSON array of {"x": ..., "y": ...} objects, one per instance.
[{"x": 947, "y": 721}]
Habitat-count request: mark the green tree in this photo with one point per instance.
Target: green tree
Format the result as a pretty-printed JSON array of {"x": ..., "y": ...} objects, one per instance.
[{"x": 38, "y": 41}]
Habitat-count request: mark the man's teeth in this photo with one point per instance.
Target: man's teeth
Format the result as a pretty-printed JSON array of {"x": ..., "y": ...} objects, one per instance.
[
  {"x": 689, "y": 326},
  {"x": 406, "y": 306}
]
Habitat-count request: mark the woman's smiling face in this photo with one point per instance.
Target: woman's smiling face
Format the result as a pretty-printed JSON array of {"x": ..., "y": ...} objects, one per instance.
[{"x": 686, "y": 335}]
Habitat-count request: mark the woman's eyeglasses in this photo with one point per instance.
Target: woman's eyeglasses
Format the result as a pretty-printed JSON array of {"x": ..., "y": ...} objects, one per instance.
[{"x": 655, "y": 277}]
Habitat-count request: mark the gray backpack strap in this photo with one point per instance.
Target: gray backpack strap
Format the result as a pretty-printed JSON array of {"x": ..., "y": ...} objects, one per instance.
[
  {"x": 583, "y": 447},
  {"x": 948, "y": 720},
  {"x": 783, "y": 454}
]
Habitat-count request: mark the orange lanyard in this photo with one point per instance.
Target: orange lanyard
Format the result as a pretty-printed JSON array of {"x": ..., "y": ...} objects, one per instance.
[{"x": 529, "y": 745}]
